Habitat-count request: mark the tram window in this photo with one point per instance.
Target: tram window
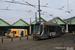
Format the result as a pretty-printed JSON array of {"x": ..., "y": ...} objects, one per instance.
[
  {"x": 14, "y": 32},
  {"x": 48, "y": 30},
  {"x": 51, "y": 28},
  {"x": 45, "y": 29},
  {"x": 56, "y": 29},
  {"x": 59, "y": 28},
  {"x": 41, "y": 29}
]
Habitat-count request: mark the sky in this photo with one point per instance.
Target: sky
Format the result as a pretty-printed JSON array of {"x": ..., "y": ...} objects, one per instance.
[{"x": 11, "y": 12}]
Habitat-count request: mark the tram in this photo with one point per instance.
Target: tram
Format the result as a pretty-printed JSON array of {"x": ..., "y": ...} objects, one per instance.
[
  {"x": 44, "y": 30},
  {"x": 12, "y": 33}
]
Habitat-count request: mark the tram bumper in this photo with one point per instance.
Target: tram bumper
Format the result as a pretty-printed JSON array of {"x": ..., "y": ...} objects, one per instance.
[{"x": 37, "y": 36}]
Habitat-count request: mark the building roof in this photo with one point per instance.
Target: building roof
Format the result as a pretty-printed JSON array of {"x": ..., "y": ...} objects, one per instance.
[
  {"x": 4, "y": 23},
  {"x": 42, "y": 20},
  {"x": 51, "y": 21},
  {"x": 20, "y": 22},
  {"x": 69, "y": 19},
  {"x": 57, "y": 20},
  {"x": 47, "y": 23}
]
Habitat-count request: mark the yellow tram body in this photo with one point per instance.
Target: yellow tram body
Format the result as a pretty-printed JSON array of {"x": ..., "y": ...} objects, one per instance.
[{"x": 16, "y": 33}]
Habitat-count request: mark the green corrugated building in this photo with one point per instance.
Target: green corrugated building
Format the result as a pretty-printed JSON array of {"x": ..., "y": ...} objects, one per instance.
[
  {"x": 20, "y": 22},
  {"x": 3, "y": 26},
  {"x": 43, "y": 20},
  {"x": 58, "y": 21},
  {"x": 70, "y": 24}
]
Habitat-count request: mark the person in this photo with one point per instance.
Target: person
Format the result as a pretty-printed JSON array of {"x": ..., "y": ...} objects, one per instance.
[{"x": 22, "y": 33}]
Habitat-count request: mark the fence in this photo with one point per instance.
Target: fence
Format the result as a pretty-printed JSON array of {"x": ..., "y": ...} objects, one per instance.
[{"x": 5, "y": 39}]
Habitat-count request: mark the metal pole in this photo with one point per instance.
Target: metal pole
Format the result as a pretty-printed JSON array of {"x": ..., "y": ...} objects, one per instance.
[
  {"x": 36, "y": 16},
  {"x": 30, "y": 21},
  {"x": 39, "y": 10},
  {"x": 27, "y": 36},
  {"x": 20, "y": 38},
  {"x": 67, "y": 27},
  {"x": 2, "y": 40},
  {"x": 11, "y": 39},
  {"x": 30, "y": 26}
]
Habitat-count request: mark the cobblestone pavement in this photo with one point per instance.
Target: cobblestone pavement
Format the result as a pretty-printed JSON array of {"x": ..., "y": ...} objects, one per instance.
[{"x": 66, "y": 40}]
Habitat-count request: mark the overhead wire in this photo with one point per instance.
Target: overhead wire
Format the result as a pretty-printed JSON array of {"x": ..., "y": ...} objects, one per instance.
[
  {"x": 63, "y": 9},
  {"x": 29, "y": 3},
  {"x": 13, "y": 1},
  {"x": 16, "y": 10},
  {"x": 45, "y": 6},
  {"x": 68, "y": 8},
  {"x": 68, "y": 4},
  {"x": 52, "y": 17}
]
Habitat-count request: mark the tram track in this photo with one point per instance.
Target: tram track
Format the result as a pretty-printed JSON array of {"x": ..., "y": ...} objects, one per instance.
[
  {"x": 35, "y": 44},
  {"x": 42, "y": 42},
  {"x": 32, "y": 44}
]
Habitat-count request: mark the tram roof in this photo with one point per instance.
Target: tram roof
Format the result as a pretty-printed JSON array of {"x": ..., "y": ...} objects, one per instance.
[{"x": 47, "y": 23}]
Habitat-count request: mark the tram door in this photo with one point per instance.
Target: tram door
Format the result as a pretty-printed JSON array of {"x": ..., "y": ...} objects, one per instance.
[
  {"x": 45, "y": 32},
  {"x": 20, "y": 33}
]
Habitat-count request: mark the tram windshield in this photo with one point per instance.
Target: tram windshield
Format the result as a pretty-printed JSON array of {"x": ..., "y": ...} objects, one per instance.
[{"x": 36, "y": 29}]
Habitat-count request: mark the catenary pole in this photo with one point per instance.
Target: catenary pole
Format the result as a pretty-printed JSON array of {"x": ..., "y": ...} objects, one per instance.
[
  {"x": 39, "y": 10},
  {"x": 36, "y": 16}
]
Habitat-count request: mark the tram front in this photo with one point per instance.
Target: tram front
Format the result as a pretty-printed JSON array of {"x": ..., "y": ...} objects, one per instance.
[{"x": 37, "y": 31}]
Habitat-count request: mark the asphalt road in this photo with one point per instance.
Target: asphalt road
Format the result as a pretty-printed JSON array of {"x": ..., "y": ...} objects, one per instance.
[{"x": 66, "y": 40}]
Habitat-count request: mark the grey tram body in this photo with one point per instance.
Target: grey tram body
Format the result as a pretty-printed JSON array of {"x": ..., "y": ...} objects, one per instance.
[{"x": 46, "y": 30}]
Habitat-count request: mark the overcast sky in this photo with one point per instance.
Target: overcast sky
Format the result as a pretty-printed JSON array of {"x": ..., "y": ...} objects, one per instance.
[{"x": 18, "y": 11}]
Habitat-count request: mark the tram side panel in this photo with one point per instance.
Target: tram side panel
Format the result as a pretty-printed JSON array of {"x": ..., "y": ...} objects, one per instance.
[{"x": 51, "y": 31}]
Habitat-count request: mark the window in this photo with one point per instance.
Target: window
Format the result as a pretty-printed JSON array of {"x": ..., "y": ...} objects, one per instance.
[
  {"x": 51, "y": 28},
  {"x": 45, "y": 29},
  {"x": 14, "y": 32},
  {"x": 48, "y": 29},
  {"x": 36, "y": 29},
  {"x": 57, "y": 29},
  {"x": 41, "y": 29}
]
